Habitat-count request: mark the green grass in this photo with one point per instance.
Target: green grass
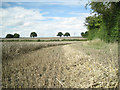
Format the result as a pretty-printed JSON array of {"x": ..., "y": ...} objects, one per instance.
[{"x": 96, "y": 44}]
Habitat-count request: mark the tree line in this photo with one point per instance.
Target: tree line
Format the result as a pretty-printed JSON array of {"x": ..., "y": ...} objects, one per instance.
[
  {"x": 12, "y": 36},
  {"x": 61, "y": 34},
  {"x": 105, "y": 24},
  {"x": 34, "y": 34}
]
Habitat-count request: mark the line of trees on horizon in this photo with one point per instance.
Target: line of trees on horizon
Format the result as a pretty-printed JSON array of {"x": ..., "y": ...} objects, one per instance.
[
  {"x": 67, "y": 34},
  {"x": 34, "y": 34},
  {"x": 16, "y": 35}
]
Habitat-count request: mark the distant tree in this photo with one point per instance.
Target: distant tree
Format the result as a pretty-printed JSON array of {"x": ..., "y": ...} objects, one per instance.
[
  {"x": 16, "y": 35},
  {"x": 9, "y": 36},
  {"x": 60, "y": 34},
  {"x": 33, "y": 34},
  {"x": 67, "y": 34},
  {"x": 84, "y": 35}
]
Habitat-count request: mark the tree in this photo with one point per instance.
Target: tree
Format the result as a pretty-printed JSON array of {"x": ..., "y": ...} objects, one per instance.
[
  {"x": 105, "y": 24},
  {"x": 67, "y": 34},
  {"x": 33, "y": 34},
  {"x": 16, "y": 35},
  {"x": 9, "y": 36},
  {"x": 93, "y": 24},
  {"x": 84, "y": 35},
  {"x": 60, "y": 34}
]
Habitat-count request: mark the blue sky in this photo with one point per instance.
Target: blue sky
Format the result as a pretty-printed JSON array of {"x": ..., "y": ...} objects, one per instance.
[{"x": 45, "y": 18}]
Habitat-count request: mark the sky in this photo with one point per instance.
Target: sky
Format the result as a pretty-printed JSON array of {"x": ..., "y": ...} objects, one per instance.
[{"x": 44, "y": 17}]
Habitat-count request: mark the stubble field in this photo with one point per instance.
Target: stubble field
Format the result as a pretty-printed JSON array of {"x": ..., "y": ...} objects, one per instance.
[{"x": 81, "y": 64}]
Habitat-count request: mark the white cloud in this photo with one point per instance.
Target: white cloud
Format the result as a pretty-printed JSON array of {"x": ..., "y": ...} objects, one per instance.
[
  {"x": 24, "y": 21},
  {"x": 15, "y": 16},
  {"x": 53, "y": 2},
  {"x": 78, "y": 13},
  {"x": 81, "y": 15}
]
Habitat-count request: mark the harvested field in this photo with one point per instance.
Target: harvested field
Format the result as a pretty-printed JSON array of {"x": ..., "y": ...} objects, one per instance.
[
  {"x": 88, "y": 64},
  {"x": 13, "y": 49}
]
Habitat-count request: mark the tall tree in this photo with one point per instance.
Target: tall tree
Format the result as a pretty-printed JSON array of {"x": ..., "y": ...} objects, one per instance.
[{"x": 110, "y": 16}]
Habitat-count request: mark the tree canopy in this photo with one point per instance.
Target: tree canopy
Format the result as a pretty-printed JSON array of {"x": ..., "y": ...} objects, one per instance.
[
  {"x": 12, "y": 36},
  {"x": 84, "y": 35},
  {"x": 16, "y": 35},
  {"x": 67, "y": 34},
  {"x": 9, "y": 36},
  {"x": 60, "y": 34},
  {"x": 33, "y": 34},
  {"x": 104, "y": 24}
]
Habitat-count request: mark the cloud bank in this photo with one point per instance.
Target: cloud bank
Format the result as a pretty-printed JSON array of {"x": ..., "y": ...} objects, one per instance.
[{"x": 24, "y": 21}]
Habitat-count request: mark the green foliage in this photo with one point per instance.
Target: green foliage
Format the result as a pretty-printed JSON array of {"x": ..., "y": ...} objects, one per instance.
[
  {"x": 12, "y": 36},
  {"x": 9, "y": 36},
  {"x": 33, "y": 34},
  {"x": 104, "y": 24},
  {"x": 67, "y": 34},
  {"x": 60, "y": 34},
  {"x": 16, "y": 35},
  {"x": 84, "y": 35}
]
